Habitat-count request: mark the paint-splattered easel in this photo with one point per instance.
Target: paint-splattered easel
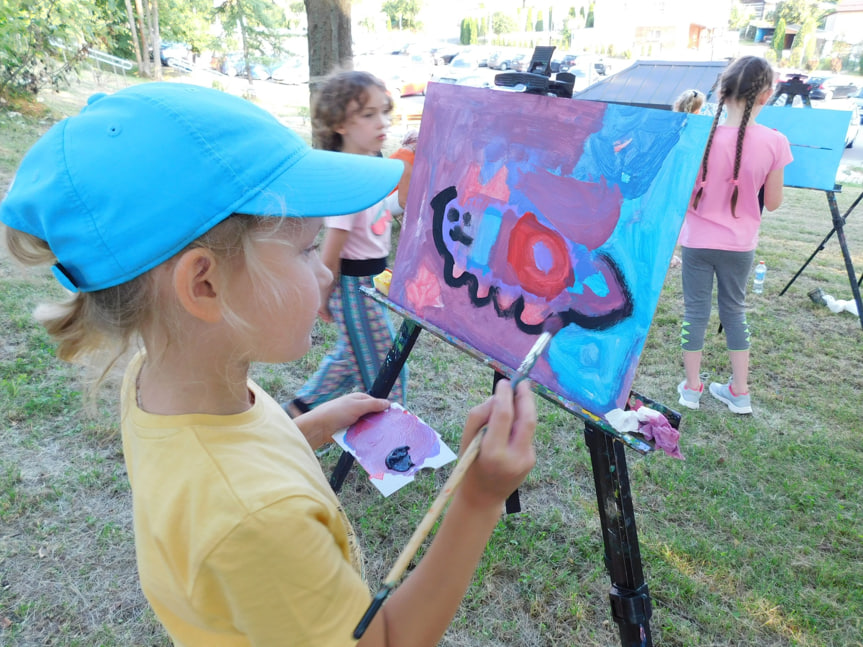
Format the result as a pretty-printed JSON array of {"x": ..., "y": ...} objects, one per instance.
[
  {"x": 815, "y": 164},
  {"x": 630, "y": 600}
]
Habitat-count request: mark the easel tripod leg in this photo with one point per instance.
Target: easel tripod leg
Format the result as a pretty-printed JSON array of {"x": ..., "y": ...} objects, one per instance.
[
  {"x": 386, "y": 378},
  {"x": 834, "y": 212},
  {"x": 838, "y": 221},
  {"x": 630, "y": 600}
]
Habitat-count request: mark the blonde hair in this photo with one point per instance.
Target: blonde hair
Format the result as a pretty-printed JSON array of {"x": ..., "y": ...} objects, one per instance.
[
  {"x": 689, "y": 101},
  {"x": 332, "y": 101},
  {"x": 106, "y": 322},
  {"x": 742, "y": 80}
]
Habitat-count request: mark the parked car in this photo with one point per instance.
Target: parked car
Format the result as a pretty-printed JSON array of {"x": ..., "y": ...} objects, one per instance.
[
  {"x": 853, "y": 126},
  {"x": 562, "y": 62},
  {"x": 461, "y": 65},
  {"x": 259, "y": 71},
  {"x": 857, "y": 100},
  {"x": 407, "y": 80},
  {"x": 226, "y": 63},
  {"x": 175, "y": 54},
  {"x": 502, "y": 59},
  {"x": 521, "y": 61},
  {"x": 444, "y": 54},
  {"x": 831, "y": 87},
  {"x": 292, "y": 71}
]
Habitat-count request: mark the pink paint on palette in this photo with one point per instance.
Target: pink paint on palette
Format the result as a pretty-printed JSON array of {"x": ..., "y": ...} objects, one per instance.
[{"x": 392, "y": 446}]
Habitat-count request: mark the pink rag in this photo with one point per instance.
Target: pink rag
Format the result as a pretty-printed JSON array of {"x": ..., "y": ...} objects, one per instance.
[{"x": 654, "y": 426}]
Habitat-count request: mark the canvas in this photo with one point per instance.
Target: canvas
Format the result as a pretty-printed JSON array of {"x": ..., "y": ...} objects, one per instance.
[
  {"x": 817, "y": 139},
  {"x": 524, "y": 206}
]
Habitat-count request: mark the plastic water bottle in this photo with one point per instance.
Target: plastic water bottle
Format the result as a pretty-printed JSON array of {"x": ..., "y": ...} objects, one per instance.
[{"x": 758, "y": 281}]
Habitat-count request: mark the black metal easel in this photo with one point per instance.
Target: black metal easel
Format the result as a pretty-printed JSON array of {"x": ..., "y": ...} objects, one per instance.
[
  {"x": 629, "y": 597},
  {"x": 792, "y": 88}
]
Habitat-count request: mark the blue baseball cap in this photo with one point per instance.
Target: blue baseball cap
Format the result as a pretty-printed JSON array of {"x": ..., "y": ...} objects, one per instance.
[{"x": 139, "y": 174}]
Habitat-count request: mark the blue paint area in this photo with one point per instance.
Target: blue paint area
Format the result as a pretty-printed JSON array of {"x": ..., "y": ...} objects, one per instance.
[
  {"x": 630, "y": 148},
  {"x": 486, "y": 237},
  {"x": 597, "y": 283}
]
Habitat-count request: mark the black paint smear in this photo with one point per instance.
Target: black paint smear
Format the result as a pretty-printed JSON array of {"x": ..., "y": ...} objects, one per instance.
[
  {"x": 591, "y": 322},
  {"x": 459, "y": 236},
  {"x": 399, "y": 460}
]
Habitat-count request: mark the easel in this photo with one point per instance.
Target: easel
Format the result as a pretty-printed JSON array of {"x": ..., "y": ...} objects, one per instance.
[
  {"x": 791, "y": 89},
  {"x": 629, "y": 597}
]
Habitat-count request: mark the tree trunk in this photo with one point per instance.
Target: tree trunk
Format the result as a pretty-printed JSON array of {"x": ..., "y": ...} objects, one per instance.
[
  {"x": 134, "y": 31},
  {"x": 157, "y": 40},
  {"x": 329, "y": 38},
  {"x": 144, "y": 30},
  {"x": 241, "y": 19}
]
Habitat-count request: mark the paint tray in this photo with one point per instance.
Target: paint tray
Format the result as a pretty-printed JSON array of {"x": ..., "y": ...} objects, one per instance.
[{"x": 392, "y": 446}]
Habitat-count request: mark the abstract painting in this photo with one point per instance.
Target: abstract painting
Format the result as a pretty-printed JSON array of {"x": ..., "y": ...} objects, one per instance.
[
  {"x": 524, "y": 206},
  {"x": 817, "y": 139},
  {"x": 392, "y": 446}
]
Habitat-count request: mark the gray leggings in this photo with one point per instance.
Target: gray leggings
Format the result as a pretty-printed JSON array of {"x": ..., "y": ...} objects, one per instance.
[{"x": 732, "y": 274}]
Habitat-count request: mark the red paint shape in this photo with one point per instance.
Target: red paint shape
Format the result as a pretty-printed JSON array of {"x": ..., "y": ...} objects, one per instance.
[
  {"x": 424, "y": 290},
  {"x": 527, "y": 236},
  {"x": 495, "y": 189}
]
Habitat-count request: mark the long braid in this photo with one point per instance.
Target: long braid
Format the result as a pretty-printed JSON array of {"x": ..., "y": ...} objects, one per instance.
[
  {"x": 707, "y": 152},
  {"x": 744, "y": 79},
  {"x": 738, "y": 153}
]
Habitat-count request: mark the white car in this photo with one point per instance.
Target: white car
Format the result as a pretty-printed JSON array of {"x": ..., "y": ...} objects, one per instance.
[{"x": 854, "y": 126}]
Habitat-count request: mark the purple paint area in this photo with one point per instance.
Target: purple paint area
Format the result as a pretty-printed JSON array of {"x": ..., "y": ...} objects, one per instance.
[{"x": 374, "y": 437}]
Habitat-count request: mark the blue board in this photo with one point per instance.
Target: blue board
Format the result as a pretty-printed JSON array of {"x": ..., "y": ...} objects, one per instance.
[{"x": 817, "y": 140}]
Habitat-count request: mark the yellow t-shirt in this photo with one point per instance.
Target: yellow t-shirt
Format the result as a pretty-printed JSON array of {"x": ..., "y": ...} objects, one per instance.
[{"x": 239, "y": 538}]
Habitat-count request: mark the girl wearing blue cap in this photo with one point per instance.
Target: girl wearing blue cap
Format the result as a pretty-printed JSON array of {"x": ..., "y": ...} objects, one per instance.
[
  {"x": 351, "y": 115},
  {"x": 239, "y": 538}
]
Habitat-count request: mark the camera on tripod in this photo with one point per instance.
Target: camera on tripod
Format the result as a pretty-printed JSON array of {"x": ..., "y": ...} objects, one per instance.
[{"x": 537, "y": 79}]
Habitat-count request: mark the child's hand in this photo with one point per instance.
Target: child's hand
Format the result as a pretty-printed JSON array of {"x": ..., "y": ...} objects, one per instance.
[
  {"x": 506, "y": 455},
  {"x": 319, "y": 424}
]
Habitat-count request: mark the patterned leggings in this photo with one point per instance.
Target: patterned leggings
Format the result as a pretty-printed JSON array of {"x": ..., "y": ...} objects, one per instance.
[
  {"x": 365, "y": 336},
  {"x": 731, "y": 270}
]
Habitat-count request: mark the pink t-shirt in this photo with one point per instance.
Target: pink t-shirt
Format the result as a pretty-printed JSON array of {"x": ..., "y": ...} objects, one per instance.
[
  {"x": 711, "y": 225},
  {"x": 369, "y": 229}
]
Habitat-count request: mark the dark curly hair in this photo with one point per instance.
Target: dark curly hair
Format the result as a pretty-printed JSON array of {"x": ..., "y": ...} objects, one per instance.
[{"x": 332, "y": 102}]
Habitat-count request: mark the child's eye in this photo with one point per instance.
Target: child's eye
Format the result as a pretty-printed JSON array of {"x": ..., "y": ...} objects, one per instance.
[{"x": 312, "y": 249}]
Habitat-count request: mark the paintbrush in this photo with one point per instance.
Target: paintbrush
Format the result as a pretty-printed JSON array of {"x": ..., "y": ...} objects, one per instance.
[{"x": 550, "y": 328}]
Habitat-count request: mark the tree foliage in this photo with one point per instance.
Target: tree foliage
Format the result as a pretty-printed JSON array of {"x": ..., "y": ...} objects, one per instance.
[
  {"x": 502, "y": 23},
  {"x": 588, "y": 21},
  {"x": 42, "y": 41},
  {"x": 469, "y": 31},
  {"x": 402, "y": 12},
  {"x": 778, "y": 42}
]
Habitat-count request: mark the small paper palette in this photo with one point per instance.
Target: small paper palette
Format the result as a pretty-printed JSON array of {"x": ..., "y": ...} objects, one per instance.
[{"x": 392, "y": 446}]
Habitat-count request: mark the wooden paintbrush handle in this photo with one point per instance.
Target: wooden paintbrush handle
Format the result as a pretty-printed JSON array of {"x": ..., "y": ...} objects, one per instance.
[{"x": 434, "y": 511}]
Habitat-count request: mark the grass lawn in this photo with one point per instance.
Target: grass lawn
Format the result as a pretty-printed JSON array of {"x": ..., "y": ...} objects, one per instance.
[{"x": 755, "y": 539}]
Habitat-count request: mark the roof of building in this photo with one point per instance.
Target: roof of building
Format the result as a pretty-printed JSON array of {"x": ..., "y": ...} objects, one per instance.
[{"x": 655, "y": 84}]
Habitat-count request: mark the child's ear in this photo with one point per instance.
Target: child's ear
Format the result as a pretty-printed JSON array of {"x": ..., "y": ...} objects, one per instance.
[{"x": 196, "y": 284}]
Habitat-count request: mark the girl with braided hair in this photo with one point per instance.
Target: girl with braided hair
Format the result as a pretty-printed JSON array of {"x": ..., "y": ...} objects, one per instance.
[{"x": 720, "y": 232}]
